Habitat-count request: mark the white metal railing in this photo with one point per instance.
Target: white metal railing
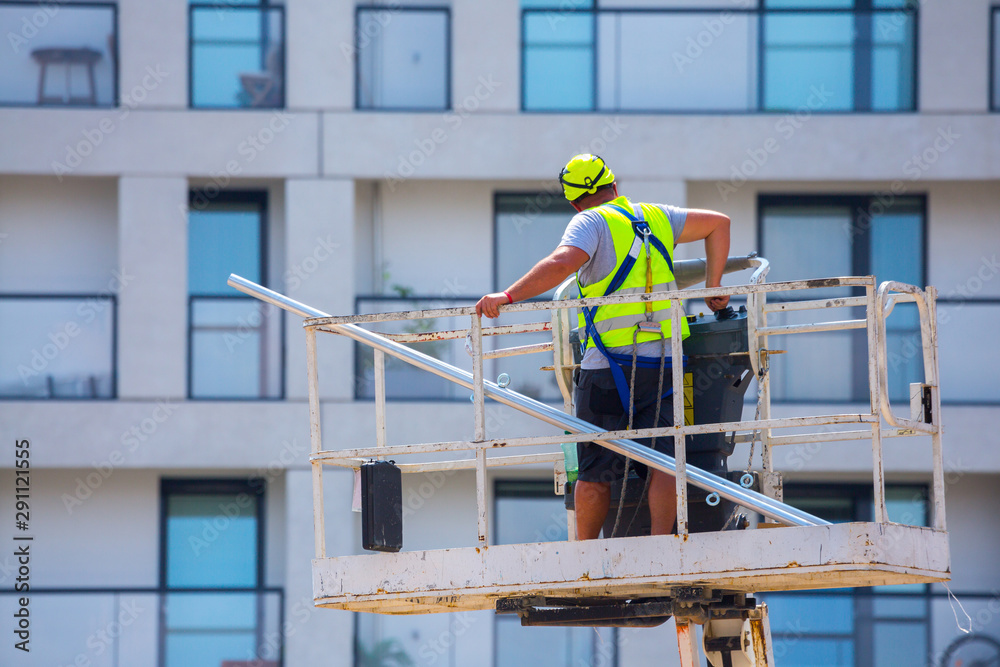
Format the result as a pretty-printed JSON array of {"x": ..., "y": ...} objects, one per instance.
[{"x": 877, "y": 303}]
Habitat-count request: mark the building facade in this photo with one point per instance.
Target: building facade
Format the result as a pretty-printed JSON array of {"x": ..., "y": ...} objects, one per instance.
[{"x": 371, "y": 157}]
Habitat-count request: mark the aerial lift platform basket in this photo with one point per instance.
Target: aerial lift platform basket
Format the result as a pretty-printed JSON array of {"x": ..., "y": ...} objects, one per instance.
[{"x": 695, "y": 577}]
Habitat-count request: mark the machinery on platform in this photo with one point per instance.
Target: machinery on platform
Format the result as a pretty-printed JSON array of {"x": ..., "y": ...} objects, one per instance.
[{"x": 706, "y": 574}]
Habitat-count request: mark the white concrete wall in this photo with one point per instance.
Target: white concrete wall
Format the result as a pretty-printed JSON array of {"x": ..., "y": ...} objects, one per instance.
[
  {"x": 319, "y": 54},
  {"x": 153, "y": 54},
  {"x": 486, "y": 78},
  {"x": 939, "y": 61},
  {"x": 320, "y": 273},
  {"x": 125, "y": 177},
  {"x": 59, "y": 236},
  {"x": 152, "y": 333}
]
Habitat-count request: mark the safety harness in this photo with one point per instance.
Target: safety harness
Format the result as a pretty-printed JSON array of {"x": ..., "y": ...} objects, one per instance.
[{"x": 644, "y": 238}]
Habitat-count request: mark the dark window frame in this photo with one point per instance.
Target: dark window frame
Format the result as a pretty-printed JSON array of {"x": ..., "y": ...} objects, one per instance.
[
  {"x": 262, "y": 199},
  {"x": 554, "y": 194},
  {"x": 861, "y": 79},
  {"x": 115, "y": 66},
  {"x": 264, "y": 6},
  {"x": 452, "y": 301},
  {"x": 863, "y": 633},
  {"x": 527, "y": 487},
  {"x": 994, "y": 36},
  {"x": 110, "y": 296},
  {"x": 448, "y": 59},
  {"x": 859, "y": 203},
  {"x": 173, "y": 486}
]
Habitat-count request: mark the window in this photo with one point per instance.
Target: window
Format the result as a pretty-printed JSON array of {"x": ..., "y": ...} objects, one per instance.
[
  {"x": 212, "y": 538},
  {"x": 234, "y": 341},
  {"x": 528, "y": 511},
  {"x": 882, "y": 626},
  {"x": 860, "y": 55},
  {"x": 825, "y": 55},
  {"x": 995, "y": 59},
  {"x": 404, "y": 381},
  {"x": 817, "y": 237},
  {"x": 58, "y": 345},
  {"x": 527, "y": 227},
  {"x": 403, "y": 58},
  {"x": 58, "y": 54},
  {"x": 237, "y": 55},
  {"x": 558, "y": 60}
]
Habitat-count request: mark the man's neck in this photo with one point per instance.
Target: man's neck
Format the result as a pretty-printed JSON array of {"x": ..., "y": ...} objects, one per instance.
[{"x": 601, "y": 200}]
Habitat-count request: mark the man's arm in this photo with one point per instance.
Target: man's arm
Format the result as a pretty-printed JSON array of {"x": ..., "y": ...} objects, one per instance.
[
  {"x": 548, "y": 273},
  {"x": 714, "y": 228}
]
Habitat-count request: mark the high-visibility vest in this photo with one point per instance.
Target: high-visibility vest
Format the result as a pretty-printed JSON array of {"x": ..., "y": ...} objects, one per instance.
[{"x": 616, "y": 323}]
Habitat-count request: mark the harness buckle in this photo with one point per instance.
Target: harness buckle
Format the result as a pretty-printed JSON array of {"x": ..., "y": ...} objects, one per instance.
[{"x": 650, "y": 327}]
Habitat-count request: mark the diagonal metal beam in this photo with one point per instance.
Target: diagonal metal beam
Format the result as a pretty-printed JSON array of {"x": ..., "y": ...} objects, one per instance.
[{"x": 769, "y": 507}]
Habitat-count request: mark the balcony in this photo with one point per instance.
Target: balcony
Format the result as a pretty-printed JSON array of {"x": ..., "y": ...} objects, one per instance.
[
  {"x": 60, "y": 54},
  {"x": 235, "y": 348},
  {"x": 58, "y": 346},
  {"x": 141, "y": 627},
  {"x": 406, "y": 383},
  {"x": 237, "y": 56},
  {"x": 722, "y": 60}
]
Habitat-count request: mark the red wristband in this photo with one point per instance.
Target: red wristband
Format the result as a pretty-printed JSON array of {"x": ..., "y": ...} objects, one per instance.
[{"x": 510, "y": 299}]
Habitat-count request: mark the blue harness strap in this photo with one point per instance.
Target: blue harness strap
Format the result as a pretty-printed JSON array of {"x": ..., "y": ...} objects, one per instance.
[{"x": 641, "y": 228}]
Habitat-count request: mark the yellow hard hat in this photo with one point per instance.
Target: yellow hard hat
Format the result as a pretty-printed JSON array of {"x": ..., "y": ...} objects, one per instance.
[{"x": 583, "y": 174}]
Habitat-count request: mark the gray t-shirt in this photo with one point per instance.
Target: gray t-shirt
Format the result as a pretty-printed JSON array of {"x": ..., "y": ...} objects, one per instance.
[{"x": 589, "y": 232}]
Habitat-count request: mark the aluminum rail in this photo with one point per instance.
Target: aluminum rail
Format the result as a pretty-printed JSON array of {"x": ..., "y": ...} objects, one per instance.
[{"x": 767, "y": 506}]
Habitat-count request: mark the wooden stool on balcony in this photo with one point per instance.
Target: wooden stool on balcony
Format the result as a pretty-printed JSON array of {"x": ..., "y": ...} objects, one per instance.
[{"x": 68, "y": 58}]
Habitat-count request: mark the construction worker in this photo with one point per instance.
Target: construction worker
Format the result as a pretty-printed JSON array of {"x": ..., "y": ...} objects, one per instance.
[{"x": 617, "y": 246}]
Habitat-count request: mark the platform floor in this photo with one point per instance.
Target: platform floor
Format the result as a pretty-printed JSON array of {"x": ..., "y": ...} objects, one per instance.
[{"x": 771, "y": 559}]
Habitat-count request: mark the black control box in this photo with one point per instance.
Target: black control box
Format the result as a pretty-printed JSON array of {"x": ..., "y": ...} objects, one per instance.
[{"x": 381, "y": 506}]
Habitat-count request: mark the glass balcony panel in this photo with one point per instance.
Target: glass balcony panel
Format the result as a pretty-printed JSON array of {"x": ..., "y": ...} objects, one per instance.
[
  {"x": 403, "y": 59},
  {"x": 402, "y": 380},
  {"x": 58, "y": 54},
  {"x": 967, "y": 351},
  {"x": 106, "y": 628},
  {"x": 995, "y": 65},
  {"x": 677, "y": 61},
  {"x": 809, "y": 57},
  {"x": 235, "y": 348},
  {"x": 57, "y": 347},
  {"x": 559, "y": 61},
  {"x": 237, "y": 57},
  {"x": 893, "y": 70},
  {"x": 212, "y": 541},
  {"x": 683, "y": 61}
]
